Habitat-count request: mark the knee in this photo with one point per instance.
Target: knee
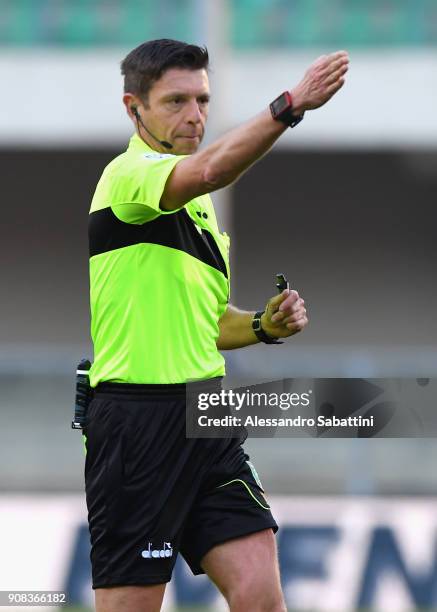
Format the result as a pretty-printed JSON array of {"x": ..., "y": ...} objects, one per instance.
[{"x": 249, "y": 598}]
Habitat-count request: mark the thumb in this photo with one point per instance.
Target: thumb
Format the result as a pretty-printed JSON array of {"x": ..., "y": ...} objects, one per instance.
[{"x": 274, "y": 302}]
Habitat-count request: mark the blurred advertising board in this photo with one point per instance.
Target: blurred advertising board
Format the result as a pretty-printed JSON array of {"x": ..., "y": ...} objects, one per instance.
[{"x": 336, "y": 553}]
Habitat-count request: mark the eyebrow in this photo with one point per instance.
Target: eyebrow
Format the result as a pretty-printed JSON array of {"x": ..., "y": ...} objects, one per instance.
[{"x": 181, "y": 94}]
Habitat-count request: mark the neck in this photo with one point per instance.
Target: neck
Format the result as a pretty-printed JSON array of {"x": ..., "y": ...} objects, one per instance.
[
  {"x": 149, "y": 137},
  {"x": 149, "y": 141}
]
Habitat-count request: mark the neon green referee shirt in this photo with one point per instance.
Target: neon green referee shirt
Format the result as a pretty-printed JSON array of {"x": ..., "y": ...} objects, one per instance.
[{"x": 159, "y": 280}]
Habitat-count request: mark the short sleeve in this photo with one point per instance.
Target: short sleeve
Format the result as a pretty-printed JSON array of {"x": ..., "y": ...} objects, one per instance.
[{"x": 133, "y": 187}]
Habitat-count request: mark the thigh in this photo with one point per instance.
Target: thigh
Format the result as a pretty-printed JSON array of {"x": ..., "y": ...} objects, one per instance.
[
  {"x": 246, "y": 571},
  {"x": 130, "y": 598},
  {"x": 230, "y": 504}
]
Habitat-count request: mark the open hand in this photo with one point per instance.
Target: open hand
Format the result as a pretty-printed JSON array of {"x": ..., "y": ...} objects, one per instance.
[{"x": 321, "y": 81}]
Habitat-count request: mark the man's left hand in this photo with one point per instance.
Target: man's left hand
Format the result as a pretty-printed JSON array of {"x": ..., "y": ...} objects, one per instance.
[{"x": 285, "y": 315}]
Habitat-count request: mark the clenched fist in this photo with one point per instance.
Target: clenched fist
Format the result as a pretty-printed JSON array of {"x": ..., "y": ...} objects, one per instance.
[
  {"x": 321, "y": 81},
  {"x": 285, "y": 315}
]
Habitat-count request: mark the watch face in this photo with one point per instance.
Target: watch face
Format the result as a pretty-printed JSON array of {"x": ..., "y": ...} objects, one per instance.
[{"x": 280, "y": 105}]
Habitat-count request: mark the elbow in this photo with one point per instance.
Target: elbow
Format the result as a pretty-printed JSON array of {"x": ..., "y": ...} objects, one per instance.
[{"x": 214, "y": 180}]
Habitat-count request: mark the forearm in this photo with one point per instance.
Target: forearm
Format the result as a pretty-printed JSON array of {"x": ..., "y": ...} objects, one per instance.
[
  {"x": 222, "y": 162},
  {"x": 236, "y": 329},
  {"x": 228, "y": 157}
]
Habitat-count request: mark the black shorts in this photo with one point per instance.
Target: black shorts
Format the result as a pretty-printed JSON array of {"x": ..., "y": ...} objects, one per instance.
[{"x": 152, "y": 493}]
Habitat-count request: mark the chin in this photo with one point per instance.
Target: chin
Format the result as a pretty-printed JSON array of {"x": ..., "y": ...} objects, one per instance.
[{"x": 186, "y": 149}]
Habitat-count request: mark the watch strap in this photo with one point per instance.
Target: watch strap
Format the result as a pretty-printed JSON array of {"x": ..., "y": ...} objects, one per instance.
[{"x": 259, "y": 332}]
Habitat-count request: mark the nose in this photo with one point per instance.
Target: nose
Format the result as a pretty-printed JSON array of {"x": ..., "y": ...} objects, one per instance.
[{"x": 194, "y": 114}]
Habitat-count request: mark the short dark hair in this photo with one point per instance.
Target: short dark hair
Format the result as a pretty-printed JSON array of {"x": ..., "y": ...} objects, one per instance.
[{"x": 143, "y": 66}]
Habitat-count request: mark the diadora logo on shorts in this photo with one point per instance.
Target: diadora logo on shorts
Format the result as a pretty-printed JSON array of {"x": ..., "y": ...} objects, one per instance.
[{"x": 156, "y": 553}]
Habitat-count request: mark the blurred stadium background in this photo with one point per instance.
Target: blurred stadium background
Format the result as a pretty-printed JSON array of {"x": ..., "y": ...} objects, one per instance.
[{"x": 344, "y": 205}]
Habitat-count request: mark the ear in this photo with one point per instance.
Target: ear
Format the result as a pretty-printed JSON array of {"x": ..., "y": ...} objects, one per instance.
[{"x": 130, "y": 101}]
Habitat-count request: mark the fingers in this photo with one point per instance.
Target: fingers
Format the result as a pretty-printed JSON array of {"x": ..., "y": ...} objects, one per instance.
[
  {"x": 326, "y": 77},
  {"x": 339, "y": 54},
  {"x": 340, "y": 66},
  {"x": 296, "y": 322},
  {"x": 336, "y": 75},
  {"x": 298, "y": 314},
  {"x": 276, "y": 301},
  {"x": 289, "y": 301},
  {"x": 332, "y": 89},
  {"x": 298, "y": 326},
  {"x": 333, "y": 61},
  {"x": 291, "y": 306},
  {"x": 335, "y": 78},
  {"x": 285, "y": 314},
  {"x": 274, "y": 307}
]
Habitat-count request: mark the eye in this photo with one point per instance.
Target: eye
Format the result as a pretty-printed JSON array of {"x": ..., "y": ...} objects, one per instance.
[
  {"x": 204, "y": 100},
  {"x": 176, "y": 101}
]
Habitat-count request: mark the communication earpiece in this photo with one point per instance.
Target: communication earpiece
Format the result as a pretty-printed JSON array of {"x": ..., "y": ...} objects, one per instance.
[{"x": 136, "y": 114}]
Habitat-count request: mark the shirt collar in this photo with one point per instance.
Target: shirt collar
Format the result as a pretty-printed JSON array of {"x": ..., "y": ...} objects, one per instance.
[{"x": 136, "y": 143}]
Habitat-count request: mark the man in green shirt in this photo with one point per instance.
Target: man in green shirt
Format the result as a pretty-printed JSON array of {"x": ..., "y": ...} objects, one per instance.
[{"x": 159, "y": 286}]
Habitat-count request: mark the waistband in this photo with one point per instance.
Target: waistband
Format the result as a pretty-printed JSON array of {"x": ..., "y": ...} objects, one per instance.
[{"x": 210, "y": 385}]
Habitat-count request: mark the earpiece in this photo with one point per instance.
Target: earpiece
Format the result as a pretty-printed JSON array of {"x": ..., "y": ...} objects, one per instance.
[{"x": 136, "y": 114}]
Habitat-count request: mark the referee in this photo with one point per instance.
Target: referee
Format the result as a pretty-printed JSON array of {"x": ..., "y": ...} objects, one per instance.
[{"x": 159, "y": 288}]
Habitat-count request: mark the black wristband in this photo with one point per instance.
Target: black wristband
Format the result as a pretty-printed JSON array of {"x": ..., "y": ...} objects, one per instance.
[{"x": 259, "y": 332}]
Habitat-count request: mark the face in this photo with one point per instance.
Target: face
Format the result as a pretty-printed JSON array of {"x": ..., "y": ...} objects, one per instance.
[{"x": 177, "y": 110}]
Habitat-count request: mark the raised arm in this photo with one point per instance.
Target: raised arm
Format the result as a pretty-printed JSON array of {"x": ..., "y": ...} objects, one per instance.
[{"x": 223, "y": 161}]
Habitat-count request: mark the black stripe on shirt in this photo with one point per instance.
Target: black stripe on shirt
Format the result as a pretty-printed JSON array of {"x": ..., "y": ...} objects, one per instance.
[{"x": 106, "y": 233}]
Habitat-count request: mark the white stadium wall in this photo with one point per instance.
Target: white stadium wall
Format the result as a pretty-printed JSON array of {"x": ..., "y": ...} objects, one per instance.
[
  {"x": 336, "y": 554},
  {"x": 67, "y": 98}
]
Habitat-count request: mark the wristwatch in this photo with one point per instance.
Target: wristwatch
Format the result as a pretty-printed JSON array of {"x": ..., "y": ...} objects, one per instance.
[
  {"x": 259, "y": 332},
  {"x": 282, "y": 110}
]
